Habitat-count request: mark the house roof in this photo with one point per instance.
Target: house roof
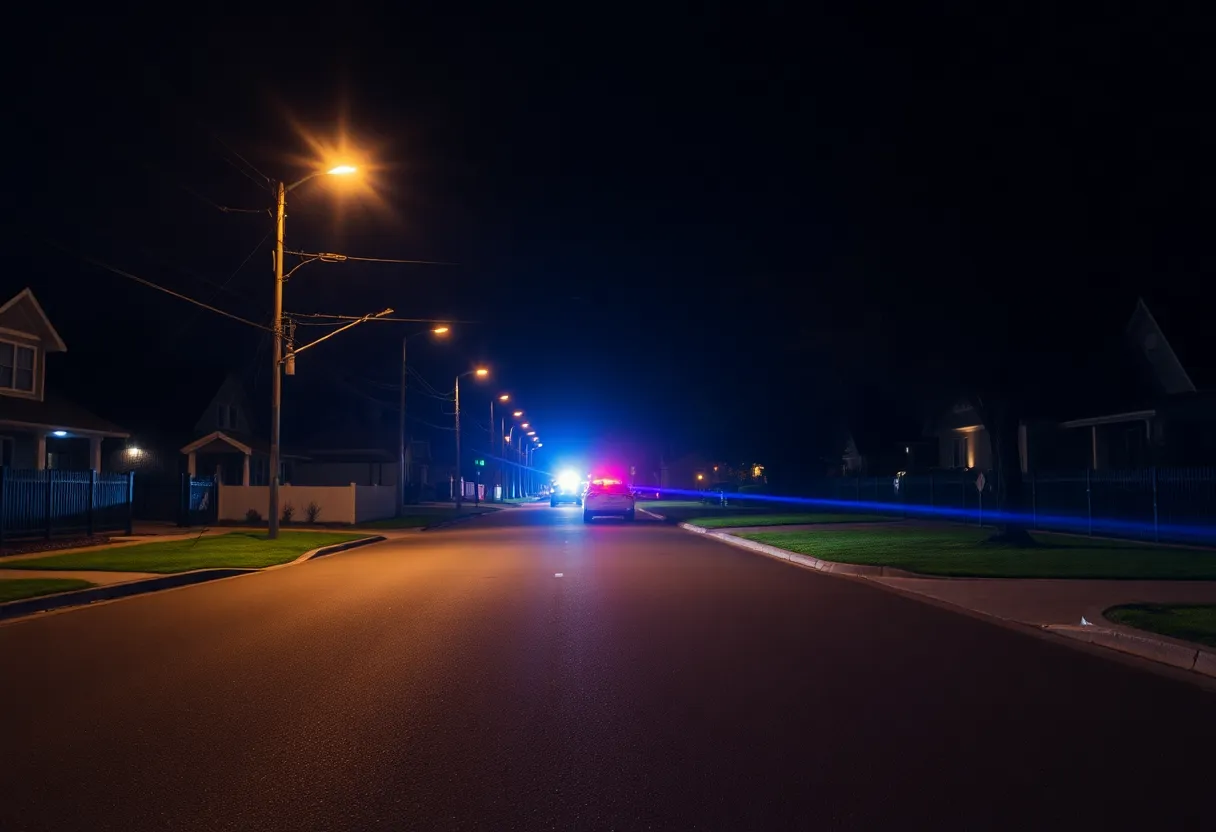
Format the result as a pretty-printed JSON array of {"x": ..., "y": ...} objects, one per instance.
[
  {"x": 1186, "y": 324},
  {"x": 878, "y": 423},
  {"x": 219, "y": 441},
  {"x": 54, "y": 413},
  {"x": 41, "y": 324}
]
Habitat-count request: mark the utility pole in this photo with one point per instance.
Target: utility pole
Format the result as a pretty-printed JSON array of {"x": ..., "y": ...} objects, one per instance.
[
  {"x": 490, "y": 449},
  {"x": 276, "y": 383},
  {"x": 401, "y": 478},
  {"x": 459, "y": 479}
]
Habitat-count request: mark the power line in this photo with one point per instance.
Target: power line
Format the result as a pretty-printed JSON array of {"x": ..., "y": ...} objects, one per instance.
[
  {"x": 331, "y": 257},
  {"x": 395, "y": 320},
  {"x": 222, "y": 208},
  {"x": 99, "y": 264}
]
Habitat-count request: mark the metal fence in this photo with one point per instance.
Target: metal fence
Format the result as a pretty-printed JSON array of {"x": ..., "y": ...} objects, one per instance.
[
  {"x": 198, "y": 501},
  {"x": 1175, "y": 505},
  {"x": 53, "y": 502}
]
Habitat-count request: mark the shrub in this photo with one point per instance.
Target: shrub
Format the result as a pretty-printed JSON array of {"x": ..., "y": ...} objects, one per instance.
[
  {"x": 289, "y": 511},
  {"x": 253, "y": 516},
  {"x": 312, "y": 511}
]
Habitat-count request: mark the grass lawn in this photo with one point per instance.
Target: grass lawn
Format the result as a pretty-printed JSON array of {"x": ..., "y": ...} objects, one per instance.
[
  {"x": 684, "y": 511},
  {"x": 243, "y": 550},
  {"x": 965, "y": 552},
  {"x": 719, "y": 521},
  {"x": 417, "y": 517},
  {"x": 1189, "y": 622},
  {"x": 16, "y": 588}
]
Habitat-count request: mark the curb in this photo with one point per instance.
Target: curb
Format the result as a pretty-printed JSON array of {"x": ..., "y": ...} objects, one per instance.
[
  {"x": 335, "y": 548},
  {"x": 46, "y": 603},
  {"x": 113, "y": 592},
  {"x": 1177, "y": 654},
  {"x": 855, "y": 569}
]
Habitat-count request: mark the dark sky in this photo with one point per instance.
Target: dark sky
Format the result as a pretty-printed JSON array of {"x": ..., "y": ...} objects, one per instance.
[{"x": 708, "y": 230}]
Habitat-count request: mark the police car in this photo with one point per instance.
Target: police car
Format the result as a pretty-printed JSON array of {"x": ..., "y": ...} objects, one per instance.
[
  {"x": 567, "y": 488},
  {"x": 608, "y": 498}
]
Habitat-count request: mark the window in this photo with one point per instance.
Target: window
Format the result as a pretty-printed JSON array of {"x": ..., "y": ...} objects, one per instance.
[
  {"x": 958, "y": 452},
  {"x": 16, "y": 367}
]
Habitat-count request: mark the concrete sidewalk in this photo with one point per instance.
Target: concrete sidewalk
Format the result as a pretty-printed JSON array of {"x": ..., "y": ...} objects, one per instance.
[
  {"x": 1045, "y": 601},
  {"x": 1071, "y": 608}
]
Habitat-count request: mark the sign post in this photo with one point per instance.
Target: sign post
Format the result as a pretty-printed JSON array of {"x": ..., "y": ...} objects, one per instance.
[{"x": 980, "y": 482}]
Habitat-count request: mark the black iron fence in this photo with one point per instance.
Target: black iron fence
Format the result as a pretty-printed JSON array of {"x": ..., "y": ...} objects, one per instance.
[
  {"x": 54, "y": 502},
  {"x": 1162, "y": 504}
]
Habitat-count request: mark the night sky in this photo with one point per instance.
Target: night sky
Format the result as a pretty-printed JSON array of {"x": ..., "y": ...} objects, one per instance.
[{"x": 712, "y": 231}]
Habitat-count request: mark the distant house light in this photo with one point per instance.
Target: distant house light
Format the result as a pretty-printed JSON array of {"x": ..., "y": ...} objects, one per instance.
[{"x": 59, "y": 433}]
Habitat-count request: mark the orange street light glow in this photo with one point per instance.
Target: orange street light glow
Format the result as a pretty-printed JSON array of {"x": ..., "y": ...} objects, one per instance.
[
  {"x": 504, "y": 398},
  {"x": 517, "y": 414},
  {"x": 341, "y": 170},
  {"x": 481, "y": 372},
  {"x": 440, "y": 330}
]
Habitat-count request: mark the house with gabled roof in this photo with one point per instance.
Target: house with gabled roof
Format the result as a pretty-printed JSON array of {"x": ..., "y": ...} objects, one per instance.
[
  {"x": 1134, "y": 404},
  {"x": 40, "y": 429}
]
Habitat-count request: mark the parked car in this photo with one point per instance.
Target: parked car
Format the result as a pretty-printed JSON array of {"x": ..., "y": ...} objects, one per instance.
[
  {"x": 608, "y": 498},
  {"x": 716, "y": 494},
  {"x": 566, "y": 493}
]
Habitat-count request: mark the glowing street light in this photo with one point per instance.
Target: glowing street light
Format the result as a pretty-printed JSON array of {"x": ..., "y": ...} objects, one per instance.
[
  {"x": 517, "y": 414},
  {"x": 531, "y": 433},
  {"x": 525, "y": 425},
  {"x": 497, "y": 446},
  {"x": 480, "y": 372},
  {"x": 276, "y": 392},
  {"x": 402, "y": 470}
]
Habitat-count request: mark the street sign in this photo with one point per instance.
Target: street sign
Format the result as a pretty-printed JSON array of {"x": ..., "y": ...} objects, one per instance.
[
  {"x": 980, "y": 482},
  {"x": 480, "y": 463}
]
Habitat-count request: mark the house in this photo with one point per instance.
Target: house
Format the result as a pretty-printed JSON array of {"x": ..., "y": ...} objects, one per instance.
[
  {"x": 881, "y": 438},
  {"x": 1134, "y": 406},
  {"x": 39, "y": 429},
  {"x": 228, "y": 446}
]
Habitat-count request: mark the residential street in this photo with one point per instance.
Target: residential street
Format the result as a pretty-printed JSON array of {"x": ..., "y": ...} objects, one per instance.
[{"x": 450, "y": 680}]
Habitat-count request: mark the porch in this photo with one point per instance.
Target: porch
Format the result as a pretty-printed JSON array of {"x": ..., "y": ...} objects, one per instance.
[{"x": 235, "y": 461}]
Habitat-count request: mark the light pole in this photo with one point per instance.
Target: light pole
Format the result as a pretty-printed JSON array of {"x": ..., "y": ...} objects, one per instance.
[
  {"x": 531, "y": 457},
  {"x": 401, "y": 470},
  {"x": 517, "y": 459},
  {"x": 276, "y": 384},
  {"x": 496, "y": 447},
  {"x": 480, "y": 372}
]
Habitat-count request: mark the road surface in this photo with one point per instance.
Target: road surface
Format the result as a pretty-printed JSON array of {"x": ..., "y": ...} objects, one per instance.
[{"x": 664, "y": 681}]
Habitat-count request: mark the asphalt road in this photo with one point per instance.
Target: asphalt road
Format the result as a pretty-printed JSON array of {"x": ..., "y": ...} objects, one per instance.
[{"x": 665, "y": 681}]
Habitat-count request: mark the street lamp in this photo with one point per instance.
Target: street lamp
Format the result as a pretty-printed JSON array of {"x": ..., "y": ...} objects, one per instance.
[
  {"x": 439, "y": 331},
  {"x": 480, "y": 372},
  {"x": 276, "y": 384},
  {"x": 496, "y": 447}
]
